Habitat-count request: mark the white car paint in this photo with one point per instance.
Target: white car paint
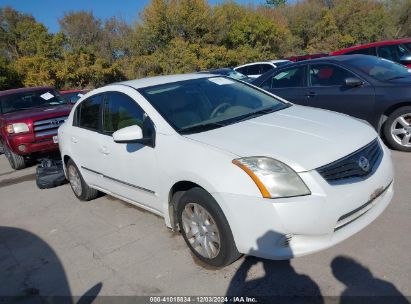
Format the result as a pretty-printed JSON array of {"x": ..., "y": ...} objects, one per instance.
[
  {"x": 273, "y": 63},
  {"x": 301, "y": 137}
]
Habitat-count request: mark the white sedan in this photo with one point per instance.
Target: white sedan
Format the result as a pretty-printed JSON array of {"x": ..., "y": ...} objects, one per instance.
[{"x": 235, "y": 169}]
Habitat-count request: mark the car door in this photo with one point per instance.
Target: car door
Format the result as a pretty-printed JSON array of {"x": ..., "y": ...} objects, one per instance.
[
  {"x": 130, "y": 169},
  {"x": 288, "y": 84},
  {"x": 328, "y": 90},
  {"x": 85, "y": 140}
]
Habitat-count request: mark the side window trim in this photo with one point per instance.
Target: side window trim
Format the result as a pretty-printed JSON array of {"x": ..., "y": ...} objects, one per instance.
[{"x": 309, "y": 85}]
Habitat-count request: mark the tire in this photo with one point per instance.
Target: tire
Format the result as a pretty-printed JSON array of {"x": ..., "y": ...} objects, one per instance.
[
  {"x": 80, "y": 189},
  {"x": 16, "y": 161},
  {"x": 397, "y": 129},
  {"x": 216, "y": 237}
]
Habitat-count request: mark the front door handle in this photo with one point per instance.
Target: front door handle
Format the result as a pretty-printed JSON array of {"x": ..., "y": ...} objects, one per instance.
[
  {"x": 74, "y": 140},
  {"x": 104, "y": 150},
  {"x": 311, "y": 94}
]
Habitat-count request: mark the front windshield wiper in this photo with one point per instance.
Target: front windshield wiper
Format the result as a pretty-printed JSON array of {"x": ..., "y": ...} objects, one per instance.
[
  {"x": 201, "y": 127},
  {"x": 398, "y": 77},
  {"x": 254, "y": 114}
]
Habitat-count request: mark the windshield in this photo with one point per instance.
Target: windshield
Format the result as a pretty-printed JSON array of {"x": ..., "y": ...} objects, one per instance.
[
  {"x": 197, "y": 105},
  {"x": 380, "y": 68},
  {"x": 29, "y": 100}
]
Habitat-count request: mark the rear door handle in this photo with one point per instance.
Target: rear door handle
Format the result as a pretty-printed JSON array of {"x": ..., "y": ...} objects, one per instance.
[
  {"x": 74, "y": 140},
  {"x": 311, "y": 94}
]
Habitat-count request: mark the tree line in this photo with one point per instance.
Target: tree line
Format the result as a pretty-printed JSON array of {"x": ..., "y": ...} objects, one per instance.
[{"x": 178, "y": 36}]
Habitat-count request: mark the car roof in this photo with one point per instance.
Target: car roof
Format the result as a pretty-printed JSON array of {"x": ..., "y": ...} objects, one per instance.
[
  {"x": 340, "y": 58},
  {"x": 374, "y": 44},
  {"x": 158, "y": 80},
  {"x": 23, "y": 90}
]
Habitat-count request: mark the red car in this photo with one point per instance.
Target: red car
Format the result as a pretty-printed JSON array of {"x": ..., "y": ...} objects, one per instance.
[
  {"x": 73, "y": 95},
  {"x": 306, "y": 57},
  {"x": 29, "y": 119},
  {"x": 395, "y": 50}
]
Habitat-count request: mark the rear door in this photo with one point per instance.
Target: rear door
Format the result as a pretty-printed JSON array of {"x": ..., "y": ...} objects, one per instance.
[
  {"x": 289, "y": 84},
  {"x": 327, "y": 90},
  {"x": 86, "y": 138}
]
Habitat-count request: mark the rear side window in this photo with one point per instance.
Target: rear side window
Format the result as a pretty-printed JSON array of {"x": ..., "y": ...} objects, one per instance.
[
  {"x": 88, "y": 113},
  {"x": 286, "y": 79},
  {"x": 367, "y": 51},
  {"x": 120, "y": 111},
  {"x": 323, "y": 75}
]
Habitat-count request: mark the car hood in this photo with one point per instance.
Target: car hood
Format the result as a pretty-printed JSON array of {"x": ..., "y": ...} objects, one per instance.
[
  {"x": 304, "y": 138},
  {"x": 38, "y": 113}
]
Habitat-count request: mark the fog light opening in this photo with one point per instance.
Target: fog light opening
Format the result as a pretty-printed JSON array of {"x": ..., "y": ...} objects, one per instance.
[{"x": 21, "y": 148}]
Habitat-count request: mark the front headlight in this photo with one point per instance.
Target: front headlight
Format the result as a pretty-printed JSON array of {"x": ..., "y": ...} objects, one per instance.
[
  {"x": 15, "y": 128},
  {"x": 272, "y": 177}
]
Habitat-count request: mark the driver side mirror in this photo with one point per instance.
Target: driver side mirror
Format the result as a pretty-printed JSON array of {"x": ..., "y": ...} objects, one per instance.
[
  {"x": 406, "y": 59},
  {"x": 130, "y": 134},
  {"x": 353, "y": 82},
  {"x": 136, "y": 135}
]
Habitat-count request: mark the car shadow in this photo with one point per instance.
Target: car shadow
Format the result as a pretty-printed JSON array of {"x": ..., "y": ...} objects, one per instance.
[
  {"x": 280, "y": 283},
  {"x": 31, "y": 272},
  {"x": 361, "y": 286}
]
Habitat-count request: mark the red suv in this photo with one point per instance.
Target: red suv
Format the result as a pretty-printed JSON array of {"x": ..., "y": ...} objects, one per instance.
[
  {"x": 29, "y": 119},
  {"x": 395, "y": 50}
]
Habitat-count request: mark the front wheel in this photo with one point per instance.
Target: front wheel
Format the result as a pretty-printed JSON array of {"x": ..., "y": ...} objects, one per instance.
[
  {"x": 397, "y": 129},
  {"x": 205, "y": 228},
  {"x": 17, "y": 162}
]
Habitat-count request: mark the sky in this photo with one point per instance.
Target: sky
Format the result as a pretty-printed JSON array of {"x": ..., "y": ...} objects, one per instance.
[{"x": 49, "y": 11}]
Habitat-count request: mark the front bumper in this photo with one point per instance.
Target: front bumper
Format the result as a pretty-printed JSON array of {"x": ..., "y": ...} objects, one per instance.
[
  {"x": 291, "y": 227},
  {"x": 32, "y": 144}
]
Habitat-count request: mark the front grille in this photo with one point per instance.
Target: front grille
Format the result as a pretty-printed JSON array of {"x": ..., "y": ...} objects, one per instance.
[
  {"x": 357, "y": 166},
  {"x": 48, "y": 127}
]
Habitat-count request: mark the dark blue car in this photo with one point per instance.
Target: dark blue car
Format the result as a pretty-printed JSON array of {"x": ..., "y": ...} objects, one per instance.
[{"x": 370, "y": 88}]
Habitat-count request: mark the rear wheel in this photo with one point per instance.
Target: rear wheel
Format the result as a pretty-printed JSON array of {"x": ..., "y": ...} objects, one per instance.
[
  {"x": 16, "y": 161},
  {"x": 81, "y": 190},
  {"x": 397, "y": 129},
  {"x": 205, "y": 228}
]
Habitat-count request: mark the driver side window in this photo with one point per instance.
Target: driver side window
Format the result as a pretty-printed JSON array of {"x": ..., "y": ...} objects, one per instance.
[
  {"x": 324, "y": 75},
  {"x": 120, "y": 111}
]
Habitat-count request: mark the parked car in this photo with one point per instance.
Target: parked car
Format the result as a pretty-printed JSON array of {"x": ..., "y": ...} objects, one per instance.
[
  {"x": 228, "y": 164},
  {"x": 229, "y": 72},
  {"x": 256, "y": 69},
  {"x": 367, "y": 87},
  {"x": 306, "y": 57},
  {"x": 395, "y": 50},
  {"x": 73, "y": 95},
  {"x": 29, "y": 119}
]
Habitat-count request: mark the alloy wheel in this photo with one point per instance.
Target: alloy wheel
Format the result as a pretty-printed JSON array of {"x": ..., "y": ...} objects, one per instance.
[
  {"x": 201, "y": 230},
  {"x": 401, "y": 130},
  {"x": 75, "y": 181}
]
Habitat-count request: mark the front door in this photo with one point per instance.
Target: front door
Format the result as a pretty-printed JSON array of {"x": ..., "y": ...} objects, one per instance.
[
  {"x": 130, "y": 170},
  {"x": 327, "y": 90}
]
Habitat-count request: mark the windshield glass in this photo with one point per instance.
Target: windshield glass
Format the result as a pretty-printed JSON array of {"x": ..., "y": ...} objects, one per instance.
[
  {"x": 197, "y": 105},
  {"x": 380, "y": 68},
  {"x": 29, "y": 100}
]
